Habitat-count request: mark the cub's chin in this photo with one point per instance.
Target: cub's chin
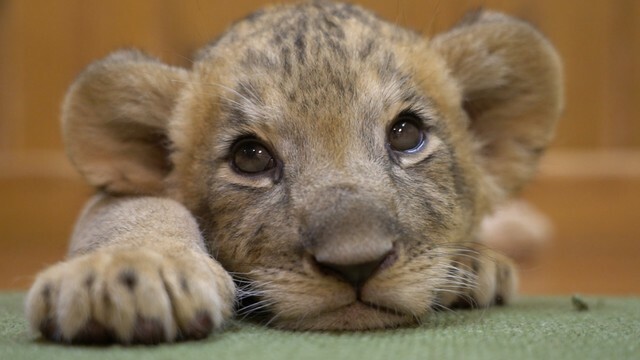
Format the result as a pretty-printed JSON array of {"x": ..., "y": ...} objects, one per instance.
[{"x": 352, "y": 317}]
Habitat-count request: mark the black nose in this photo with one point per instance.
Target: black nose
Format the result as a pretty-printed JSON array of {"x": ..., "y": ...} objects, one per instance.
[{"x": 354, "y": 274}]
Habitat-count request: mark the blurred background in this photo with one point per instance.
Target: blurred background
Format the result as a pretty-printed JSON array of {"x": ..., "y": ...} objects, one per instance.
[{"x": 589, "y": 183}]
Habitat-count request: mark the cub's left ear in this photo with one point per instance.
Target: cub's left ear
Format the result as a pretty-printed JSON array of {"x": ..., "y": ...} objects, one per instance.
[{"x": 511, "y": 81}]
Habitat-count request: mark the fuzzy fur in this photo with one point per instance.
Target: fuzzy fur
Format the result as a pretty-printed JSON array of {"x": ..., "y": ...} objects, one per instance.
[{"x": 319, "y": 84}]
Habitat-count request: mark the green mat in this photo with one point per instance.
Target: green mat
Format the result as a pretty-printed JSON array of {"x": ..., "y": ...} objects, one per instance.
[{"x": 532, "y": 328}]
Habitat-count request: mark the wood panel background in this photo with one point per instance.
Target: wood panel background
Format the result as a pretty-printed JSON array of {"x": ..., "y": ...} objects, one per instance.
[{"x": 589, "y": 183}]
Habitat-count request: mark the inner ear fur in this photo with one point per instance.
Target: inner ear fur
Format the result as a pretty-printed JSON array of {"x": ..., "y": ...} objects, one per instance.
[
  {"x": 511, "y": 82},
  {"x": 114, "y": 121}
]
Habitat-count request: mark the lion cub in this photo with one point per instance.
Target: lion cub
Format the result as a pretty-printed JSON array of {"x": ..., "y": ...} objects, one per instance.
[{"x": 317, "y": 165}]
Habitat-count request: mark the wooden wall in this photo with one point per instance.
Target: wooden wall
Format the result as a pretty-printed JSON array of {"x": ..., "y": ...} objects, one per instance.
[{"x": 589, "y": 184}]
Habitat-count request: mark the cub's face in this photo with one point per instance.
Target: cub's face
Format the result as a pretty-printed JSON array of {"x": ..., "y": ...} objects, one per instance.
[
  {"x": 338, "y": 164},
  {"x": 325, "y": 169}
]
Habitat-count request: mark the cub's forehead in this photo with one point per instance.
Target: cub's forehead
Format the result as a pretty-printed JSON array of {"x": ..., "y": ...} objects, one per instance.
[
  {"x": 309, "y": 39},
  {"x": 306, "y": 56},
  {"x": 309, "y": 29}
]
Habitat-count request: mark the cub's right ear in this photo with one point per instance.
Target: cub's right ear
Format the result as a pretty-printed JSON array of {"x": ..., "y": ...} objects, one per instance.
[{"x": 114, "y": 121}]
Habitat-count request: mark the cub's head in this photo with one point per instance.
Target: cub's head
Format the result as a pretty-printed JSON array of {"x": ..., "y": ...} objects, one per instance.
[{"x": 336, "y": 163}]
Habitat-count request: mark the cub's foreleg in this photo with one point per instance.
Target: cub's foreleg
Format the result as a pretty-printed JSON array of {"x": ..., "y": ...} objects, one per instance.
[{"x": 138, "y": 272}]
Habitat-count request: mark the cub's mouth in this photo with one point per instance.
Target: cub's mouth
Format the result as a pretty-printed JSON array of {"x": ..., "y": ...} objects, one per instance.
[
  {"x": 333, "y": 316},
  {"x": 399, "y": 293}
]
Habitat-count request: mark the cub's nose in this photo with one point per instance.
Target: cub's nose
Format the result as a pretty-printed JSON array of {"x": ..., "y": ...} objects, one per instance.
[
  {"x": 349, "y": 231},
  {"x": 355, "y": 274}
]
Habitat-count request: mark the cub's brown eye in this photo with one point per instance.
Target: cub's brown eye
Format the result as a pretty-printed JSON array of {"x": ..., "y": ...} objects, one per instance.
[
  {"x": 251, "y": 157},
  {"x": 406, "y": 135}
]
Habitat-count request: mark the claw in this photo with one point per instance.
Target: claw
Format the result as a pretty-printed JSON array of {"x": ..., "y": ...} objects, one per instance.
[
  {"x": 200, "y": 327},
  {"x": 50, "y": 329}
]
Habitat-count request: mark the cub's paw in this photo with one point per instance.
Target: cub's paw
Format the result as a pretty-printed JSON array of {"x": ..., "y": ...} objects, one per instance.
[
  {"x": 479, "y": 277},
  {"x": 131, "y": 296}
]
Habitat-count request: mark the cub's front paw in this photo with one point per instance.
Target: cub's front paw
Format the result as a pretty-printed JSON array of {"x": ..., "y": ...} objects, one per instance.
[
  {"x": 130, "y": 296},
  {"x": 479, "y": 277}
]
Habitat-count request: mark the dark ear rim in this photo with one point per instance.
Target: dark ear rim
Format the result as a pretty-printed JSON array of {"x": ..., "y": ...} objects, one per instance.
[
  {"x": 510, "y": 77},
  {"x": 114, "y": 122}
]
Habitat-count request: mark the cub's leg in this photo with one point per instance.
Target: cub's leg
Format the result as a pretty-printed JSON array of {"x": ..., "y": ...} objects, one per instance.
[
  {"x": 479, "y": 277},
  {"x": 138, "y": 273},
  {"x": 518, "y": 230}
]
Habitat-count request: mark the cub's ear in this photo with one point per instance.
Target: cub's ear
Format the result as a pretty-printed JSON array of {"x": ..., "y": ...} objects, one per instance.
[
  {"x": 511, "y": 81},
  {"x": 114, "y": 121}
]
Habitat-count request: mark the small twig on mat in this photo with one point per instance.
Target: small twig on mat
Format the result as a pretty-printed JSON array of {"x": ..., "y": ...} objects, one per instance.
[{"x": 579, "y": 303}]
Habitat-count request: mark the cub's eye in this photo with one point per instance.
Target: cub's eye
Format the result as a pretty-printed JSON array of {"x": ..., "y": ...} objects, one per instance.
[
  {"x": 251, "y": 157},
  {"x": 406, "y": 134}
]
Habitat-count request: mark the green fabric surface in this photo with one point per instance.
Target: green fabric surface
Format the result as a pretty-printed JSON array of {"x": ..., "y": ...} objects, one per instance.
[{"x": 531, "y": 328}]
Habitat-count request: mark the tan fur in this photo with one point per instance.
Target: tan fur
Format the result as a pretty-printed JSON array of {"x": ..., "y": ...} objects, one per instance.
[
  {"x": 320, "y": 85},
  {"x": 518, "y": 230}
]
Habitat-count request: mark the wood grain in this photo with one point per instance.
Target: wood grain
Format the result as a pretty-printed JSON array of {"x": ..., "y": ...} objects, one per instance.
[{"x": 589, "y": 185}]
